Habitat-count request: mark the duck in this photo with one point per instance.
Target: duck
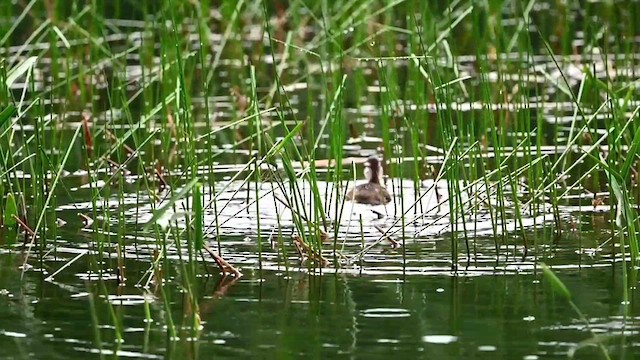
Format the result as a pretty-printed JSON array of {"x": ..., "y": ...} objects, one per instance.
[{"x": 373, "y": 191}]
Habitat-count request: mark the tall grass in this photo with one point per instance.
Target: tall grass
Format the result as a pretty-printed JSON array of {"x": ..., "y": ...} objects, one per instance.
[{"x": 513, "y": 109}]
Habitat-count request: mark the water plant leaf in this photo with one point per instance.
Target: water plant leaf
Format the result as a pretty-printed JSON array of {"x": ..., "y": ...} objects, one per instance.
[
  {"x": 598, "y": 341},
  {"x": 169, "y": 204},
  {"x": 53, "y": 186},
  {"x": 625, "y": 216},
  {"x": 10, "y": 211},
  {"x": 279, "y": 145},
  {"x": 7, "y": 113},
  {"x": 631, "y": 154},
  {"x": 198, "y": 221},
  {"x": 556, "y": 284},
  {"x": 19, "y": 70}
]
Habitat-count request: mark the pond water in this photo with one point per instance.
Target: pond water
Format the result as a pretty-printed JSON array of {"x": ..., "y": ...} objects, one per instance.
[
  {"x": 408, "y": 302},
  {"x": 114, "y": 274},
  {"x": 272, "y": 315}
]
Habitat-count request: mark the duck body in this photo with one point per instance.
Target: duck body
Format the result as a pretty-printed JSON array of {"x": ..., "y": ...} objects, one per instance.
[
  {"x": 369, "y": 193},
  {"x": 372, "y": 192}
]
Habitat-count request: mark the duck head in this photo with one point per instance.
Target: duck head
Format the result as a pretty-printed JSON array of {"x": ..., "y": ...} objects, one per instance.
[{"x": 373, "y": 170}]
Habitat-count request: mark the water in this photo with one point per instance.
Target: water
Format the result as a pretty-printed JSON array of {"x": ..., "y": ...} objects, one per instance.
[
  {"x": 507, "y": 316},
  {"x": 487, "y": 307},
  {"x": 457, "y": 288}
]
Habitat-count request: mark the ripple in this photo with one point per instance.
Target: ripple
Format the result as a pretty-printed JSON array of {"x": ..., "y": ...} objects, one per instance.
[
  {"x": 13, "y": 334},
  {"x": 386, "y": 313},
  {"x": 129, "y": 299},
  {"x": 439, "y": 339}
]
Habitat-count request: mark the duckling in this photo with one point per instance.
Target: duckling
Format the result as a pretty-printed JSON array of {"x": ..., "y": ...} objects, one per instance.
[{"x": 373, "y": 192}]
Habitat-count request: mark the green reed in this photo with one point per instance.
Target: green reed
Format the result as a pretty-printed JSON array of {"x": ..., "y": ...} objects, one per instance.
[
  {"x": 329, "y": 41},
  {"x": 409, "y": 59},
  {"x": 560, "y": 288}
]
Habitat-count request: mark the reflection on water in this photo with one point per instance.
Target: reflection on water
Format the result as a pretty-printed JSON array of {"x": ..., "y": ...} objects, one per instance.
[
  {"x": 502, "y": 316},
  {"x": 413, "y": 301}
]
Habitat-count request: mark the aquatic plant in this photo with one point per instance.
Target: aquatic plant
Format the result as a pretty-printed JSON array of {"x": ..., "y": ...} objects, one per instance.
[{"x": 192, "y": 134}]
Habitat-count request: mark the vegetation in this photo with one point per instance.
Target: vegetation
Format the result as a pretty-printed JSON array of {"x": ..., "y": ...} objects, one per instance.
[{"x": 168, "y": 130}]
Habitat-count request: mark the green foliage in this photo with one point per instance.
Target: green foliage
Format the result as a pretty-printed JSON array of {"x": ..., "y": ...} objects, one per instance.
[
  {"x": 556, "y": 284},
  {"x": 6, "y": 114},
  {"x": 10, "y": 211},
  {"x": 198, "y": 220},
  {"x": 20, "y": 70}
]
